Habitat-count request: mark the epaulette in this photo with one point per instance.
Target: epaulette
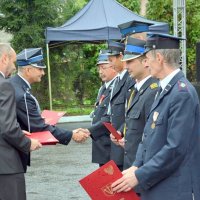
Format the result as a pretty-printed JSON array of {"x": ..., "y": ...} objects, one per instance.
[
  {"x": 154, "y": 86},
  {"x": 182, "y": 86}
]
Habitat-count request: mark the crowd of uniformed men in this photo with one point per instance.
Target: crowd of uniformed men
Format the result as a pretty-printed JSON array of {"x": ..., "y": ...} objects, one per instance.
[
  {"x": 144, "y": 95},
  {"x": 155, "y": 109}
]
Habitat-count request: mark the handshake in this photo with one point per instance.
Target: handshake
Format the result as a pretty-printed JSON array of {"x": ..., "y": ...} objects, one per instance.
[{"x": 80, "y": 135}]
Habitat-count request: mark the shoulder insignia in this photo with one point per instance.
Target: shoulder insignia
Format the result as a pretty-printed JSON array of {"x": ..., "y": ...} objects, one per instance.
[
  {"x": 153, "y": 86},
  {"x": 182, "y": 86}
]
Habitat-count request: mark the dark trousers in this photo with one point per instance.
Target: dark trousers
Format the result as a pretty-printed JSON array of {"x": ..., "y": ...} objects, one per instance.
[{"x": 12, "y": 187}]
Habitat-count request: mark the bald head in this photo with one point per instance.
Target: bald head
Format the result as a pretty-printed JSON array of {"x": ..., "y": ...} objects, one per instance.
[{"x": 7, "y": 59}]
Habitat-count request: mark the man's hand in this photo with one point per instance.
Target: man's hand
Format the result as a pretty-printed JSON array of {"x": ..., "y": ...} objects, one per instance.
[
  {"x": 114, "y": 140},
  {"x": 26, "y": 133},
  {"x": 127, "y": 182},
  {"x": 121, "y": 142},
  {"x": 80, "y": 135},
  {"x": 35, "y": 144}
]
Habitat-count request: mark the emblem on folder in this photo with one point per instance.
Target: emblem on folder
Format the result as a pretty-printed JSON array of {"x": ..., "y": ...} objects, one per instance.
[
  {"x": 107, "y": 190},
  {"x": 109, "y": 170}
]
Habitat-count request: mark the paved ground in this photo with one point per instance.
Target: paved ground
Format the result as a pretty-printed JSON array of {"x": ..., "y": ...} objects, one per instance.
[{"x": 55, "y": 170}]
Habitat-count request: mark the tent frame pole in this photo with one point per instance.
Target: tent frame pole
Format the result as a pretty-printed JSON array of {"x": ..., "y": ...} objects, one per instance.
[{"x": 49, "y": 77}]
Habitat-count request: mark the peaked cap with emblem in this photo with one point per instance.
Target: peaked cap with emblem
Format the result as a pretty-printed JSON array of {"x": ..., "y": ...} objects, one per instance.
[
  {"x": 162, "y": 41},
  {"x": 134, "y": 49},
  {"x": 115, "y": 48},
  {"x": 103, "y": 57},
  {"x": 134, "y": 26},
  {"x": 31, "y": 56}
]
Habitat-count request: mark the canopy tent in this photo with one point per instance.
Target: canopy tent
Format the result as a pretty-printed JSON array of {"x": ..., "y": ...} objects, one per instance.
[{"x": 97, "y": 22}]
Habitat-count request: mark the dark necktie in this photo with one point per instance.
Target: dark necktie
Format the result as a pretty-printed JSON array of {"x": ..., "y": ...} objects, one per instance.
[
  {"x": 116, "y": 84},
  {"x": 114, "y": 87},
  {"x": 158, "y": 92}
]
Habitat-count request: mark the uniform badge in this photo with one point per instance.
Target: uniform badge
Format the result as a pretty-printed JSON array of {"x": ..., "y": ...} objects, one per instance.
[
  {"x": 182, "y": 86},
  {"x": 153, "y": 86},
  {"x": 153, "y": 125},
  {"x": 155, "y": 117},
  {"x": 101, "y": 99}
]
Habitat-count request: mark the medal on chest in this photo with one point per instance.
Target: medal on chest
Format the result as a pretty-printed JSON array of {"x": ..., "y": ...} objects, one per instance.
[{"x": 155, "y": 117}]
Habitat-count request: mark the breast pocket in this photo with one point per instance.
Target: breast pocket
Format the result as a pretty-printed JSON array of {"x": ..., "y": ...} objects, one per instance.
[
  {"x": 118, "y": 107},
  {"x": 120, "y": 100},
  {"x": 133, "y": 121}
]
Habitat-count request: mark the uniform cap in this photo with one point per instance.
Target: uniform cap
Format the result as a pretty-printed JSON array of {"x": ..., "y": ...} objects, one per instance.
[
  {"x": 162, "y": 41},
  {"x": 31, "y": 56},
  {"x": 115, "y": 48},
  {"x": 103, "y": 57},
  {"x": 132, "y": 27},
  {"x": 134, "y": 49}
]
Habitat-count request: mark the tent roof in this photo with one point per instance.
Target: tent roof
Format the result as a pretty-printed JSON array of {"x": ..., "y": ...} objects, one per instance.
[{"x": 97, "y": 21}]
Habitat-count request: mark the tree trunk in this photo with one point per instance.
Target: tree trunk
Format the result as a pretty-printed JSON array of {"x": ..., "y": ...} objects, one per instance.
[{"x": 143, "y": 7}]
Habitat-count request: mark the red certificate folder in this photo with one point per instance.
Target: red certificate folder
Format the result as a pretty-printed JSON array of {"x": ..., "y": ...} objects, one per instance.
[
  {"x": 44, "y": 137},
  {"x": 51, "y": 117},
  {"x": 112, "y": 129},
  {"x": 98, "y": 184}
]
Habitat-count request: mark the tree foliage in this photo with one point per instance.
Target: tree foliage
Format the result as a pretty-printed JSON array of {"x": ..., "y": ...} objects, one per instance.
[
  {"x": 27, "y": 19},
  {"x": 133, "y": 5},
  {"x": 73, "y": 67}
]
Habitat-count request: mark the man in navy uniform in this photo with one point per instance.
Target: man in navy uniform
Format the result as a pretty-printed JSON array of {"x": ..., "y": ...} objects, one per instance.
[
  {"x": 30, "y": 70},
  {"x": 167, "y": 160},
  {"x": 13, "y": 143},
  {"x": 116, "y": 108},
  {"x": 140, "y": 100},
  {"x": 101, "y": 147}
]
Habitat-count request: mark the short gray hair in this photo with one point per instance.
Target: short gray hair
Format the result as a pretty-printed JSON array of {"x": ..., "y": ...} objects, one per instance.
[
  {"x": 5, "y": 48},
  {"x": 171, "y": 56}
]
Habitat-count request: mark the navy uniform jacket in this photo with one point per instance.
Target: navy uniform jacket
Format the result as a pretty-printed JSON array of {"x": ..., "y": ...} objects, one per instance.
[
  {"x": 101, "y": 147},
  {"x": 28, "y": 115},
  {"x": 117, "y": 118},
  {"x": 12, "y": 140},
  {"x": 136, "y": 116},
  {"x": 169, "y": 155}
]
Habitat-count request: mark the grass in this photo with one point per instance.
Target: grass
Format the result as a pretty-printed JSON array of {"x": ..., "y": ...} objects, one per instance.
[
  {"x": 79, "y": 110},
  {"x": 75, "y": 110}
]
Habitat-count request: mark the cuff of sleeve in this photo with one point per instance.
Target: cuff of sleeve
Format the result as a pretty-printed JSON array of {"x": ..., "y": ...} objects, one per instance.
[
  {"x": 137, "y": 163},
  {"x": 97, "y": 130},
  {"x": 69, "y": 137},
  {"x": 142, "y": 179}
]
